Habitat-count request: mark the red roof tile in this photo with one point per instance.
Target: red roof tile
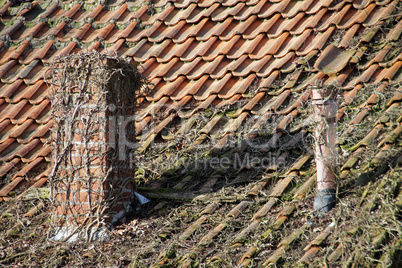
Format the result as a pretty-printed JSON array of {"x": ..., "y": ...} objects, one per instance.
[{"x": 256, "y": 57}]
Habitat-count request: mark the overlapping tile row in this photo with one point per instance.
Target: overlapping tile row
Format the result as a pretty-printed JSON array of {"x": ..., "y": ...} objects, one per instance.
[
  {"x": 220, "y": 76},
  {"x": 387, "y": 127},
  {"x": 249, "y": 62},
  {"x": 239, "y": 240},
  {"x": 197, "y": 54},
  {"x": 205, "y": 235}
]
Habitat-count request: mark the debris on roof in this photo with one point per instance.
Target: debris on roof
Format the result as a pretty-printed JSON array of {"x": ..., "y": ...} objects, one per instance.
[{"x": 225, "y": 146}]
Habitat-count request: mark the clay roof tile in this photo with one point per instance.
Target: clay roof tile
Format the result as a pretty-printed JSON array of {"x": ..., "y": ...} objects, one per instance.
[
  {"x": 269, "y": 9},
  {"x": 38, "y": 53},
  {"x": 221, "y": 13},
  {"x": 206, "y": 29},
  {"x": 164, "y": 32},
  {"x": 176, "y": 15},
  {"x": 200, "y": 13},
  {"x": 222, "y": 71},
  {"x": 296, "y": 7},
  {"x": 9, "y": 30},
  {"x": 196, "y": 49},
  {"x": 4, "y": 8},
  {"x": 170, "y": 50},
  {"x": 260, "y": 27}
]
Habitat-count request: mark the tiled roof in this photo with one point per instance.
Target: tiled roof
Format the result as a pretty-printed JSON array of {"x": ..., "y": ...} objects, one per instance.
[{"x": 241, "y": 66}]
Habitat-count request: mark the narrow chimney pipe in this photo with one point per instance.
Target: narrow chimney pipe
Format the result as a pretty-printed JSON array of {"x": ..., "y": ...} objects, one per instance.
[{"x": 325, "y": 109}]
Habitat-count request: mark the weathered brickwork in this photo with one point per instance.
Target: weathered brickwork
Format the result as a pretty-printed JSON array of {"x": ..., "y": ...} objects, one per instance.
[{"x": 92, "y": 181}]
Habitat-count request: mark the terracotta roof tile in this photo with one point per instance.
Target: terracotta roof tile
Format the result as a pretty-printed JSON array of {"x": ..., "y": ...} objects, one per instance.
[
  {"x": 165, "y": 89},
  {"x": 82, "y": 15},
  {"x": 300, "y": 102},
  {"x": 7, "y": 167},
  {"x": 209, "y": 86},
  {"x": 15, "y": 149},
  {"x": 6, "y": 129},
  {"x": 200, "y": 13},
  {"x": 204, "y": 68},
  {"x": 222, "y": 12},
  {"x": 236, "y": 28},
  {"x": 8, "y": 90},
  {"x": 293, "y": 44},
  {"x": 250, "y": 61},
  {"x": 182, "y": 68},
  {"x": 380, "y": 13},
  {"x": 28, "y": 111},
  {"x": 188, "y": 87},
  {"x": 39, "y": 151},
  {"x": 41, "y": 30},
  {"x": 14, "y": 52},
  {"x": 67, "y": 13},
  {"x": 18, "y": 130},
  {"x": 296, "y": 7},
  {"x": 274, "y": 64},
  {"x": 19, "y": 71},
  {"x": 151, "y": 108},
  {"x": 4, "y": 8},
  {"x": 91, "y": 35},
  {"x": 177, "y": 106},
  {"x": 60, "y": 53},
  {"x": 359, "y": 17},
  {"x": 10, "y": 111},
  {"x": 249, "y": 10},
  {"x": 137, "y": 34},
  {"x": 119, "y": 34},
  {"x": 204, "y": 30},
  {"x": 340, "y": 79},
  {"x": 268, "y": 81},
  {"x": 269, "y": 9},
  {"x": 227, "y": 66},
  {"x": 317, "y": 43},
  {"x": 396, "y": 98},
  {"x": 159, "y": 70},
  {"x": 8, "y": 188},
  {"x": 331, "y": 19},
  {"x": 167, "y": 50},
  {"x": 12, "y": 28},
  {"x": 167, "y": 12},
  {"x": 393, "y": 61},
  {"x": 250, "y": 105},
  {"x": 38, "y": 53},
  {"x": 396, "y": 67},
  {"x": 226, "y": 48},
  {"x": 5, "y": 67},
  {"x": 74, "y": 33},
  {"x": 239, "y": 47},
  {"x": 106, "y": 16},
  {"x": 230, "y": 3},
  {"x": 350, "y": 34},
  {"x": 201, "y": 107},
  {"x": 4, "y": 124},
  {"x": 205, "y": 3},
  {"x": 310, "y": 22},
  {"x": 164, "y": 32},
  {"x": 268, "y": 46},
  {"x": 333, "y": 60},
  {"x": 240, "y": 86},
  {"x": 395, "y": 33},
  {"x": 249, "y": 66},
  {"x": 172, "y": 16}
]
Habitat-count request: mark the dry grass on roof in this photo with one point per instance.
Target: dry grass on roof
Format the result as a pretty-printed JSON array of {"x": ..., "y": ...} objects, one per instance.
[{"x": 366, "y": 219}]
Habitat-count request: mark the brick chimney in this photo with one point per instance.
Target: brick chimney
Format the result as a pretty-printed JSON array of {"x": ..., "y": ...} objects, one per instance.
[{"x": 92, "y": 183}]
